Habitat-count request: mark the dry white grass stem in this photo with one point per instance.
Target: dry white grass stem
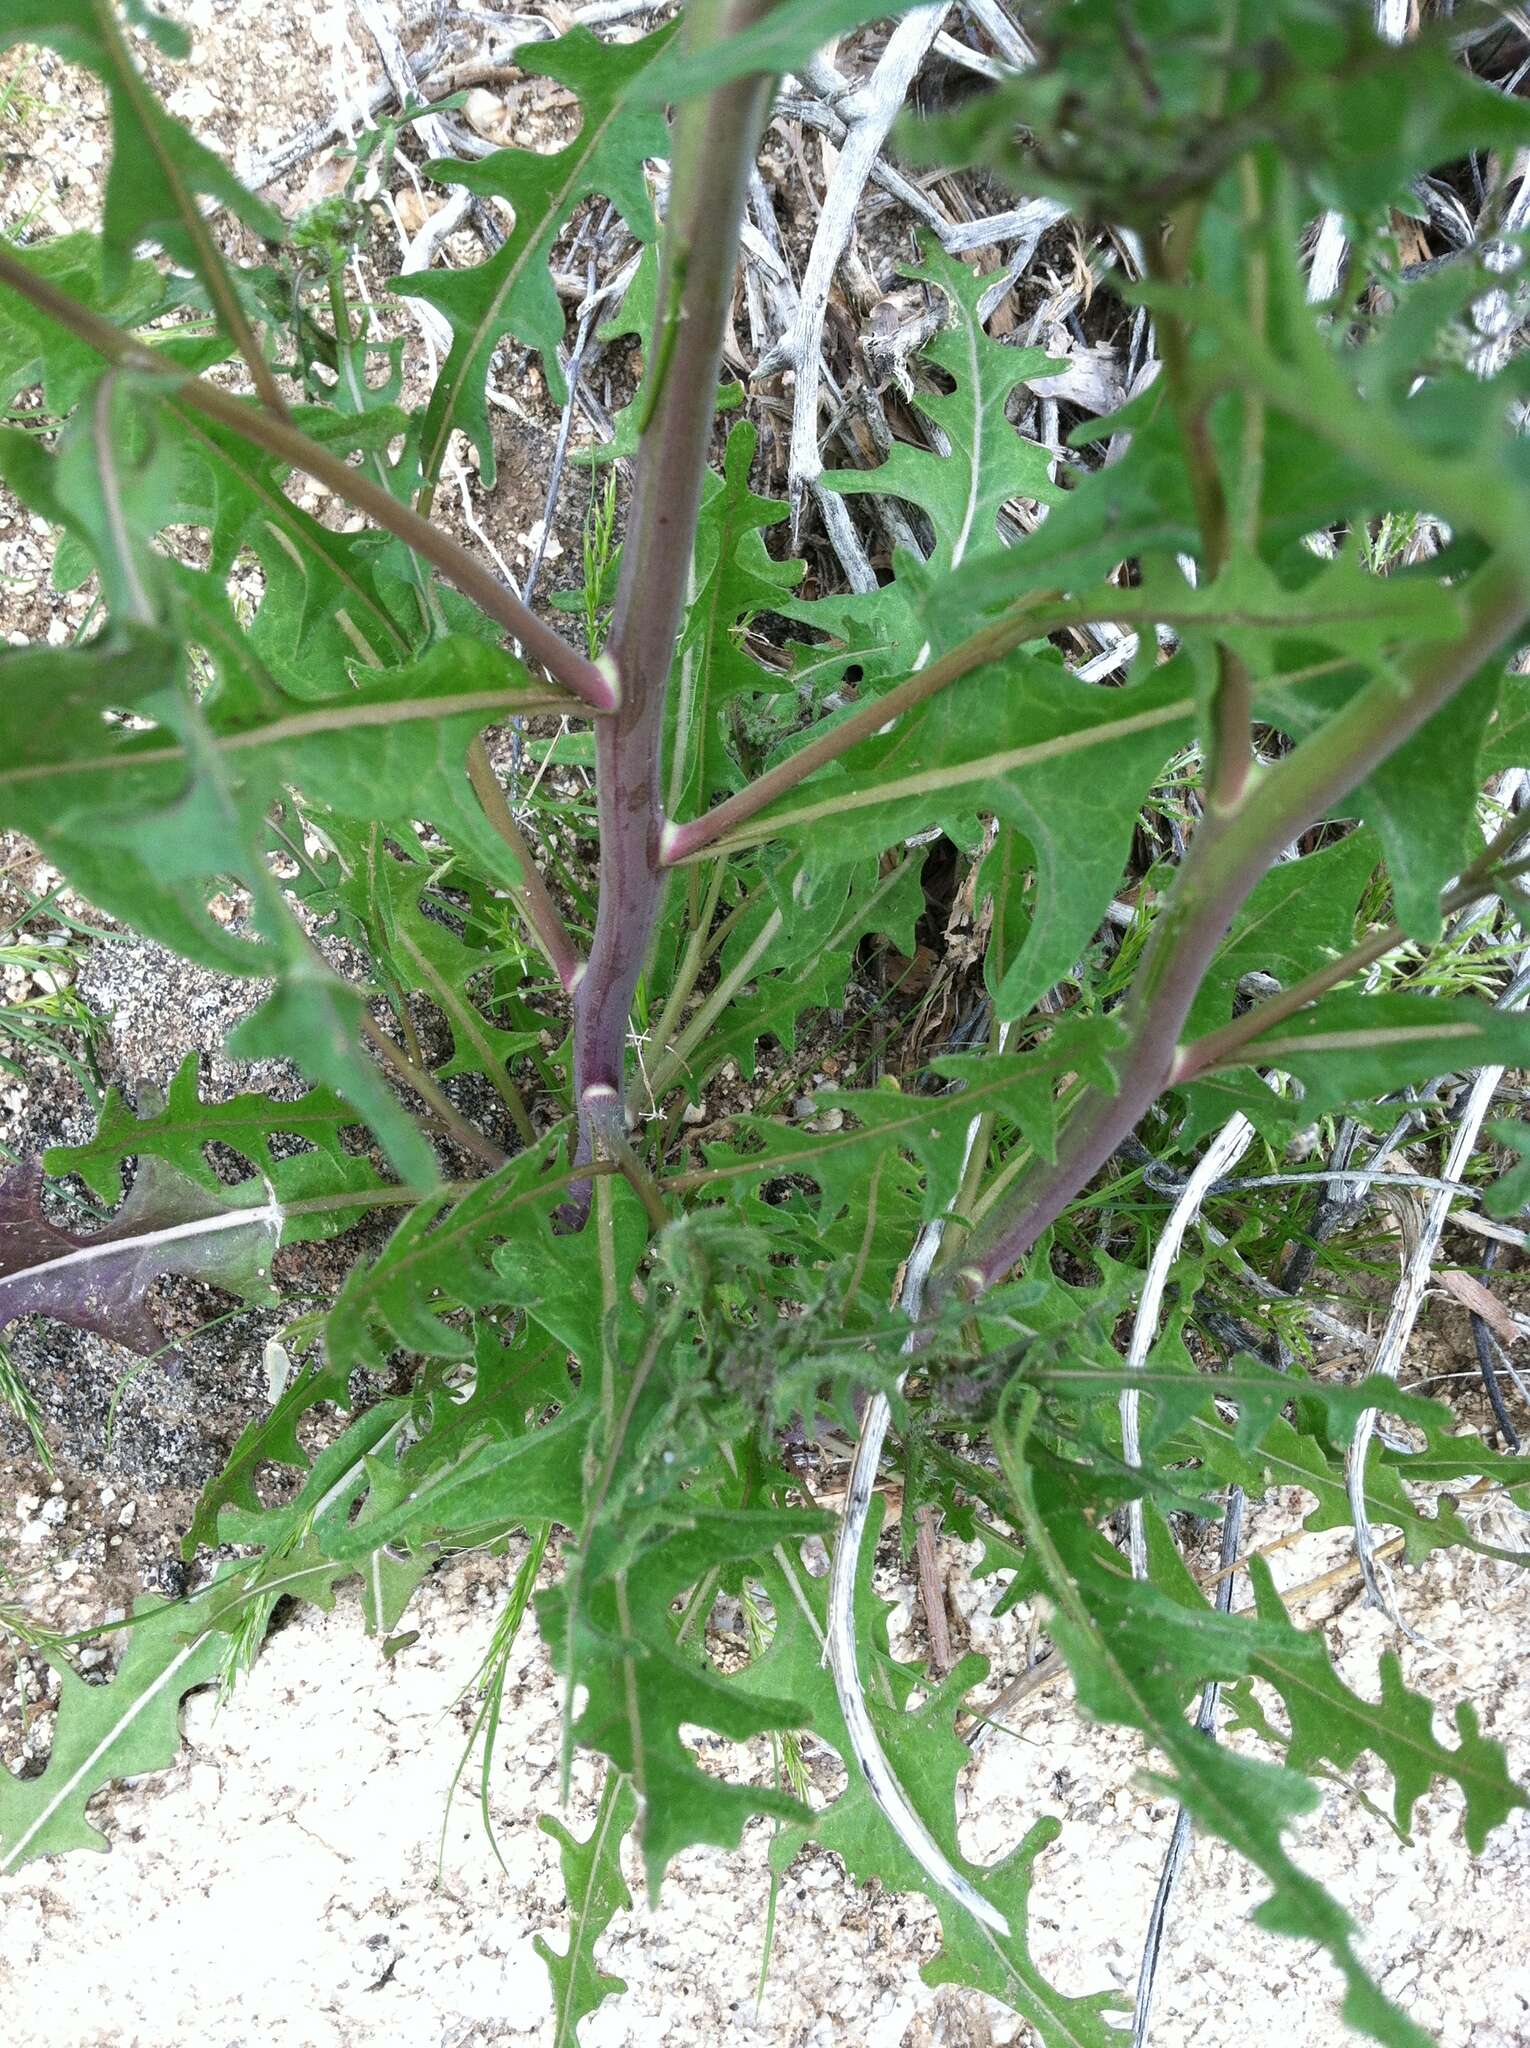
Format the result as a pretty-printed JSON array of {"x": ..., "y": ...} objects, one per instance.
[
  {"x": 1224, "y": 1151},
  {"x": 841, "y": 1648},
  {"x": 868, "y": 114},
  {"x": 1409, "y": 1299}
]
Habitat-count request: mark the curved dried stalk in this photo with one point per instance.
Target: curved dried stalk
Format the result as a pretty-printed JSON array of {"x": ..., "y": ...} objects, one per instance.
[
  {"x": 1224, "y": 1151},
  {"x": 841, "y": 1649}
]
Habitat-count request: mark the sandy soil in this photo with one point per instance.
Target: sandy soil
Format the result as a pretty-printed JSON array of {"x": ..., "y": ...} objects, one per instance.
[{"x": 280, "y": 1885}]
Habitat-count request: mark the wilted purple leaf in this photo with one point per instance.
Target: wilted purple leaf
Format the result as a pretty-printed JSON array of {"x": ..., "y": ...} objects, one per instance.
[{"x": 100, "y": 1282}]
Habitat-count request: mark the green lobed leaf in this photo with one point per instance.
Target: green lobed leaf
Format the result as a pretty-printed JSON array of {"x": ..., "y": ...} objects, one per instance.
[
  {"x": 440, "y": 1259},
  {"x": 35, "y": 349},
  {"x": 1065, "y": 763},
  {"x": 1298, "y": 918},
  {"x": 499, "y": 1481},
  {"x": 1329, "y": 1723},
  {"x": 1182, "y": 1393},
  {"x": 615, "y": 1633},
  {"x": 987, "y": 462},
  {"x": 180, "y": 1130},
  {"x": 270, "y": 1439},
  {"x": 292, "y": 1540},
  {"x": 327, "y": 598},
  {"x": 547, "y": 1275},
  {"x": 434, "y": 961},
  {"x": 443, "y": 1466},
  {"x": 1017, "y": 1087},
  {"x": 183, "y": 815},
  {"x": 187, "y": 802},
  {"x": 104, "y": 1732},
  {"x": 1289, "y": 1456},
  {"x": 1139, "y": 507},
  {"x": 1422, "y": 800},
  {"x": 512, "y": 293},
  {"x": 927, "y": 1757},
  {"x": 792, "y": 955},
  {"x": 1136, "y": 1655},
  {"x": 1353, "y": 1048},
  {"x": 596, "y": 1893}
]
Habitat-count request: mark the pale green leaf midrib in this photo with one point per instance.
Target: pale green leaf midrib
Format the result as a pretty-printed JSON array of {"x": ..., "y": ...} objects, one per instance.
[
  {"x": 138, "y": 1706},
  {"x": 593, "y": 135},
  {"x": 962, "y": 773},
  {"x": 567, "y": 2020},
  {"x": 1289, "y": 1678},
  {"x": 282, "y": 731}
]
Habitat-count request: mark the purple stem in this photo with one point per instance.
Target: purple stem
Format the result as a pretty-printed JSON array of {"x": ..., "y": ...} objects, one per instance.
[
  {"x": 583, "y": 678},
  {"x": 1230, "y": 853},
  {"x": 715, "y": 144},
  {"x": 1030, "y": 620}
]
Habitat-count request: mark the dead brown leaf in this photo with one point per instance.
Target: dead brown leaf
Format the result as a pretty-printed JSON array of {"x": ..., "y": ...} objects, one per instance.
[{"x": 1482, "y": 1301}]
